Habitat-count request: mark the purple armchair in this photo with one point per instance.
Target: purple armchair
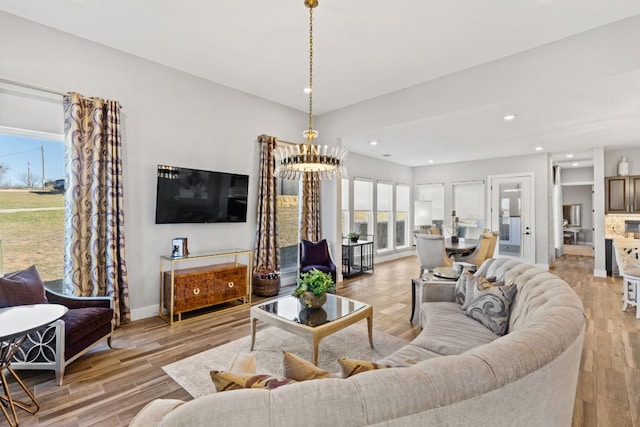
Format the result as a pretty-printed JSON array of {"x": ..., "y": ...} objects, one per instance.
[
  {"x": 316, "y": 255},
  {"x": 53, "y": 347}
]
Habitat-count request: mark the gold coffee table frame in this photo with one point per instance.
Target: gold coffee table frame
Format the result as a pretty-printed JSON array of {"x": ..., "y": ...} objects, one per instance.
[{"x": 313, "y": 335}]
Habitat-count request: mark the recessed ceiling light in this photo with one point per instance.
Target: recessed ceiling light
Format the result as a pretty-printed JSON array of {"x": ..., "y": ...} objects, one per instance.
[
  {"x": 374, "y": 143},
  {"x": 386, "y": 155},
  {"x": 430, "y": 161},
  {"x": 539, "y": 148},
  {"x": 307, "y": 90},
  {"x": 569, "y": 156},
  {"x": 574, "y": 164},
  {"x": 509, "y": 117}
]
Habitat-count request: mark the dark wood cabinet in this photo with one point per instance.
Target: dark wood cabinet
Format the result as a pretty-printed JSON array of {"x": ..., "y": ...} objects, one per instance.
[
  {"x": 183, "y": 290},
  {"x": 200, "y": 287},
  {"x": 622, "y": 194}
]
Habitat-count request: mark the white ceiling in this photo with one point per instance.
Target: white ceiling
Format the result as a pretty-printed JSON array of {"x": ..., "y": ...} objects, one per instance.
[{"x": 370, "y": 49}]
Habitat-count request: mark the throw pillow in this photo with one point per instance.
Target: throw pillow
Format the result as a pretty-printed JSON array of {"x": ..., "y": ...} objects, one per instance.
[
  {"x": 313, "y": 253},
  {"x": 225, "y": 381},
  {"x": 351, "y": 367},
  {"x": 460, "y": 288},
  {"x": 492, "y": 307},
  {"x": 244, "y": 363},
  {"x": 22, "y": 288},
  {"x": 475, "y": 285},
  {"x": 299, "y": 369}
]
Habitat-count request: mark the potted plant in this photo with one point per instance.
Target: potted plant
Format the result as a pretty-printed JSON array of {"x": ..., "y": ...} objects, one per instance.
[
  {"x": 353, "y": 236},
  {"x": 313, "y": 287}
]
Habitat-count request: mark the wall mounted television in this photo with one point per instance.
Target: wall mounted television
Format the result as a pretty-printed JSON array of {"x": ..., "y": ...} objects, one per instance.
[{"x": 198, "y": 196}]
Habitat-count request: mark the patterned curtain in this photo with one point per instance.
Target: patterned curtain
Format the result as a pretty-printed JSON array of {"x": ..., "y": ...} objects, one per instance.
[
  {"x": 267, "y": 251},
  {"x": 310, "y": 216},
  {"x": 94, "y": 263}
]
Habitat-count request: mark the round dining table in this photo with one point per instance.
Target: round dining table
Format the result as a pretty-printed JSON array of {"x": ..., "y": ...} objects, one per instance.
[
  {"x": 461, "y": 247},
  {"x": 15, "y": 324}
]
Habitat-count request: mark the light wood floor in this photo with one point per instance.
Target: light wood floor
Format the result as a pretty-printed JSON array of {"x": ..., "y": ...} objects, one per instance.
[{"x": 108, "y": 387}]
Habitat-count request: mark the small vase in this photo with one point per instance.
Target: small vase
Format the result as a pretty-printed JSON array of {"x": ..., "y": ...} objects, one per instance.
[
  {"x": 313, "y": 317},
  {"x": 623, "y": 167},
  {"x": 310, "y": 300}
]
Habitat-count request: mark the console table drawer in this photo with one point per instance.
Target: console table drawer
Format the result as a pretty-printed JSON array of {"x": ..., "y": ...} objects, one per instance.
[{"x": 205, "y": 286}]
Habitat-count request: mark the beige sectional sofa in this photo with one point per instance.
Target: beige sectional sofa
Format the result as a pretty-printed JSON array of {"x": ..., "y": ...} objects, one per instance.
[{"x": 456, "y": 372}]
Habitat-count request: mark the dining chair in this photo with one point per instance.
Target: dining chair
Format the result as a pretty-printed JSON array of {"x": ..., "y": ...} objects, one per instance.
[
  {"x": 473, "y": 233},
  {"x": 492, "y": 244},
  {"x": 627, "y": 253},
  {"x": 479, "y": 254},
  {"x": 431, "y": 252}
]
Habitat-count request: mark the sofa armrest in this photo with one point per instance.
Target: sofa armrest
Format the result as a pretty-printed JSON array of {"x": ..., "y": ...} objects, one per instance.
[{"x": 78, "y": 302}]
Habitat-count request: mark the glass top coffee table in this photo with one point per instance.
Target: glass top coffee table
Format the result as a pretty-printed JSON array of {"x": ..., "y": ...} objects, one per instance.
[{"x": 289, "y": 314}]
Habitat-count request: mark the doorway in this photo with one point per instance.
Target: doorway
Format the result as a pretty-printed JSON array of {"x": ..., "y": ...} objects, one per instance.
[{"x": 511, "y": 207}]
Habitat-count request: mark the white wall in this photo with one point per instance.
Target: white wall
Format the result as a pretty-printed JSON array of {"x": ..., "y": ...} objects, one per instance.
[
  {"x": 169, "y": 117},
  {"x": 481, "y": 169},
  {"x": 612, "y": 157}
]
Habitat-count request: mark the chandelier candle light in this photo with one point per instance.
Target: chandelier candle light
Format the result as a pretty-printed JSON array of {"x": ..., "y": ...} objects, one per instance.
[{"x": 294, "y": 161}]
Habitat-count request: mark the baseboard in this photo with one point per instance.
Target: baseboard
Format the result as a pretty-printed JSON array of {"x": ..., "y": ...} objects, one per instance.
[
  {"x": 144, "y": 312},
  {"x": 543, "y": 266},
  {"x": 599, "y": 273}
]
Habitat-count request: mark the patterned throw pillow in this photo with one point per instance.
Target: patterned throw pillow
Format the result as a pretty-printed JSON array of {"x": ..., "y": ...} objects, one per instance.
[
  {"x": 299, "y": 369},
  {"x": 225, "y": 381},
  {"x": 460, "y": 288},
  {"x": 22, "y": 288},
  {"x": 351, "y": 366},
  {"x": 475, "y": 285},
  {"x": 492, "y": 307}
]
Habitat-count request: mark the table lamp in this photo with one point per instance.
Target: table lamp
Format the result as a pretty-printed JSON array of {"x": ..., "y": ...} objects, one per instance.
[{"x": 423, "y": 215}]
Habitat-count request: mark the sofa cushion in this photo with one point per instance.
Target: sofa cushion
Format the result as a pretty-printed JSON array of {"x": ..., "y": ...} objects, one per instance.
[
  {"x": 80, "y": 323},
  {"x": 448, "y": 331},
  {"x": 351, "y": 367},
  {"x": 22, "y": 288},
  {"x": 225, "y": 381},
  {"x": 408, "y": 355},
  {"x": 492, "y": 307}
]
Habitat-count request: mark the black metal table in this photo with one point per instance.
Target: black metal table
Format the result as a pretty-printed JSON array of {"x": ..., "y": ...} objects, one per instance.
[{"x": 357, "y": 257}]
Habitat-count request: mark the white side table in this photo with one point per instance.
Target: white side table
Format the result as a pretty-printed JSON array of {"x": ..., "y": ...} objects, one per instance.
[
  {"x": 418, "y": 286},
  {"x": 15, "y": 323}
]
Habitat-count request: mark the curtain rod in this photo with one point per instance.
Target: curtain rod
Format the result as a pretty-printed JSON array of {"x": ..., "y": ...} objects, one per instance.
[{"x": 41, "y": 89}]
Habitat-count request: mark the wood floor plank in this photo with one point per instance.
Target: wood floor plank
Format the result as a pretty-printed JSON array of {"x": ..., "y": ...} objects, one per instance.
[{"x": 109, "y": 386}]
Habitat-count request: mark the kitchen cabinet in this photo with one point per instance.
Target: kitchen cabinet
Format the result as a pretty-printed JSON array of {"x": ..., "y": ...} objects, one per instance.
[{"x": 622, "y": 194}]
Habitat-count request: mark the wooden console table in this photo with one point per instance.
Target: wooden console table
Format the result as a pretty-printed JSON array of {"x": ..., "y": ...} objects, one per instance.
[{"x": 203, "y": 285}]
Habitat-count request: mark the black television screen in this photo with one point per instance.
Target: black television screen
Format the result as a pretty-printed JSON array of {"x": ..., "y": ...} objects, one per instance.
[{"x": 198, "y": 196}]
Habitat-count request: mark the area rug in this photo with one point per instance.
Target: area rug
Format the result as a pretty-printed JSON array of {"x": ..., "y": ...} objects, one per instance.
[{"x": 192, "y": 373}]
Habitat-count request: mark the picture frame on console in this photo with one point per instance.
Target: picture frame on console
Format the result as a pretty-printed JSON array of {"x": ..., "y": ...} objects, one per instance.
[{"x": 179, "y": 247}]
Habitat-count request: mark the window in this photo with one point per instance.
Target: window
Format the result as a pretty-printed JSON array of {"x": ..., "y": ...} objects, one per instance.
[
  {"x": 32, "y": 186},
  {"x": 287, "y": 217},
  {"x": 363, "y": 207},
  {"x": 402, "y": 215},
  {"x": 384, "y": 216},
  {"x": 468, "y": 202},
  {"x": 435, "y": 194},
  {"x": 346, "y": 227}
]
